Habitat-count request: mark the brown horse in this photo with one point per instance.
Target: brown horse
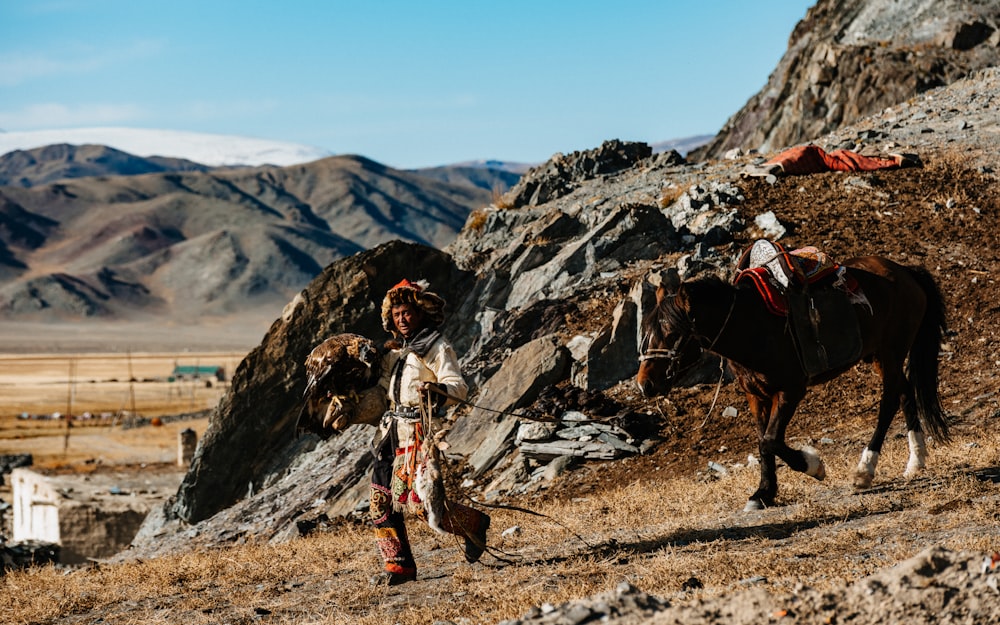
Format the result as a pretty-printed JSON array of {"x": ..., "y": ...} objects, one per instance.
[{"x": 902, "y": 321}]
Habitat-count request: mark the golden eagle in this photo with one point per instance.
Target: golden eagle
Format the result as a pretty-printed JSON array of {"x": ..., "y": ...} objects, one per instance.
[{"x": 338, "y": 370}]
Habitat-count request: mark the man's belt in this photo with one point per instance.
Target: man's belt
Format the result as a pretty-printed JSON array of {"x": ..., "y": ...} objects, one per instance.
[{"x": 403, "y": 413}]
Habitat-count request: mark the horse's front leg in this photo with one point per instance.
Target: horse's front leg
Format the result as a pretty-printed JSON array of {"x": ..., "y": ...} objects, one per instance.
[{"x": 773, "y": 416}]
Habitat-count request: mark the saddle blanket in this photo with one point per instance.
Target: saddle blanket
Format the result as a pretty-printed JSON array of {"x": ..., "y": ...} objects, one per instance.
[{"x": 804, "y": 266}]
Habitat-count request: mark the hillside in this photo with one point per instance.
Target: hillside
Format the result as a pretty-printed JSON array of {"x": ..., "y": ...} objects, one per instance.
[
  {"x": 28, "y": 168},
  {"x": 848, "y": 59},
  {"x": 180, "y": 245},
  {"x": 640, "y": 521}
]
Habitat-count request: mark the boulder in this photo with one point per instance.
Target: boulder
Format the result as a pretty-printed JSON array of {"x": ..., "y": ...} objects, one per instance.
[
  {"x": 251, "y": 437},
  {"x": 487, "y": 433},
  {"x": 848, "y": 59}
]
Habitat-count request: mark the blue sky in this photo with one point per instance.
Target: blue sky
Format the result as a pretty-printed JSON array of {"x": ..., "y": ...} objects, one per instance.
[{"x": 409, "y": 84}]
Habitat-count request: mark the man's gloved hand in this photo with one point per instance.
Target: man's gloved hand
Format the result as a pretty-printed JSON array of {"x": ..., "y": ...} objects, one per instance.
[{"x": 436, "y": 392}]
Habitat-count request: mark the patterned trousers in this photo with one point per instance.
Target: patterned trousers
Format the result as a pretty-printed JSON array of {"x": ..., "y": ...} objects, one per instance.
[{"x": 390, "y": 527}]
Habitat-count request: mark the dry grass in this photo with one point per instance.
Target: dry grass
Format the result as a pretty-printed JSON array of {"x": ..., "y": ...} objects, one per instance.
[
  {"x": 477, "y": 220},
  {"x": 655, "y": 532},
  {"x": 96, "y": 384},
  {"x": 670, "y": 194},
  {"x": 499, "y": 198},
  {"x": 42, "y": 384}
]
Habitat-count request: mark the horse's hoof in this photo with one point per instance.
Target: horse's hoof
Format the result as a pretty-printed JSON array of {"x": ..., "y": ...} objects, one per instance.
[
  {"x": 912, "y": 469},
  {"x": 862, "y": 481},
  {"x": 753, "y": 505},
  {"x": 820, "y": 472},
  {"x": 814, "y": 465}
]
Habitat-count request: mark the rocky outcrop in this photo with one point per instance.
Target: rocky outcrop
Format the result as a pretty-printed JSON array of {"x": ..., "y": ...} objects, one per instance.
[
  {"x": 543, "y": 300},
  {"x": 560, "y": 174},
  {"x": 252, "y": 431},
  {"x": 851, "y": 58}
]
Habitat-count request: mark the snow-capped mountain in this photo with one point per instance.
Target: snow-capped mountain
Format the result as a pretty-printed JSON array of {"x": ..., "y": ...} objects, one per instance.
[{"x": 207, "y": 149}]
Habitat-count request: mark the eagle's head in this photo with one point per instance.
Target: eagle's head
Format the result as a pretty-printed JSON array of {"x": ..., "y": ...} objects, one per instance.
[{"x": 367, "y": 353}]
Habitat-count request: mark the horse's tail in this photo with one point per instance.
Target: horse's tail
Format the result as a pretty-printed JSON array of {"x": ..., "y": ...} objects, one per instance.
[{"x": 922, "y": 365}]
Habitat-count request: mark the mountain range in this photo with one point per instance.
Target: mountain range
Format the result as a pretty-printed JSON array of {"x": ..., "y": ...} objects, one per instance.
[
  {"x": 92, "y": 232},
  {"x": 186, "y": 241},
  {"x": 214, "y": 150}
]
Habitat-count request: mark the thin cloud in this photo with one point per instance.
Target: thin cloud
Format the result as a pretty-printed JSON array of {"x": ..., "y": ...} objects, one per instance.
[
  {"x": 20, "y": 67},
  {"x": 55, "y": 115}
]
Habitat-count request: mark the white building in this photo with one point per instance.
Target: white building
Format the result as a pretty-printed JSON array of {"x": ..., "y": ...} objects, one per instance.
[{"x": 90, "y": 516}]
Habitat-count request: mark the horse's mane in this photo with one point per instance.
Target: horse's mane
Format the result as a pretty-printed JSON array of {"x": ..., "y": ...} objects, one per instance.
[
  {"x": 674, "y": 310},
  {"x": 709, "y": 287}
]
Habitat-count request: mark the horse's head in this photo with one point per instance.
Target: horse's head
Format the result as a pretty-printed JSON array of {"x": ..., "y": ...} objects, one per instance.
[{"x": 668, "y": 347}]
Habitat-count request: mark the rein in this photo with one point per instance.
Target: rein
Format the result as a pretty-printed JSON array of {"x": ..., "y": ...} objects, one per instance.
[
  {"x": 725, "y": 322},
  {"x": 507, "y": 413},
  {"x": 426, "y": 410}
]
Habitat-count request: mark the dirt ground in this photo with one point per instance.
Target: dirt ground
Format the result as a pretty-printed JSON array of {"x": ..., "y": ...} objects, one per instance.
[
  {"x": 946, "y": 218},
  {"x": 806, "y": 560}
]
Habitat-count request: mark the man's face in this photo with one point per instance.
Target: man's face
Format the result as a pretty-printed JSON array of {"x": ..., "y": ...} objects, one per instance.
[{"x": 408, "y": 319}]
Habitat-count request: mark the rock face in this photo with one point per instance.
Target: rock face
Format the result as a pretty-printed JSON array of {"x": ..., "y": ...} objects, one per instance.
[
  {"x": 851, "y": 58},
  {"x": 256, "y": 419}
]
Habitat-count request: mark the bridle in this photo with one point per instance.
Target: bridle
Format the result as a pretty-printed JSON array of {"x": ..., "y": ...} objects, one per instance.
[
  {"x": 672, "y": 353},
  {"x": 659, "y": 353}
]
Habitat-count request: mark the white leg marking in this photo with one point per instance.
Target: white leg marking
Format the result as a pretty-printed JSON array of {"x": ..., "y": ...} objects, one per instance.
[
  {"x": 866, "y": 469},
  {"x": 918, "y": 453},
  {"x": 753, "y": 505},
  {"x": 814, "y": 464}
]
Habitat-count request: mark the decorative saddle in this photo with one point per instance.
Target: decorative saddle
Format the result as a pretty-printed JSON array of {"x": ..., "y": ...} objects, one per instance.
[
  {"x": 774, "y": 271},
  {"x": 807, "y": 286}
]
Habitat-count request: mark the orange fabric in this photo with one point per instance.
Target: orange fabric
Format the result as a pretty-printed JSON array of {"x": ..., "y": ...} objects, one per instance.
[
  {"x": 406, "y": 284},
  {"x": 812, "y": 159}
]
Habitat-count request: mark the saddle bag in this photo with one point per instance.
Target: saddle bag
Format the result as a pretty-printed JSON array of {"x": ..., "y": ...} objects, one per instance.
[{"x": 825, "y": 328}]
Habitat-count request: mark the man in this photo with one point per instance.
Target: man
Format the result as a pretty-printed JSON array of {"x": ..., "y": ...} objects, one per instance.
[{"x": 420, "y": 368}]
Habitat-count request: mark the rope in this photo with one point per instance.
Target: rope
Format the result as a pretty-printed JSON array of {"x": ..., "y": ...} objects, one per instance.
[
  {"x": 718, "y": 387},
  {"x": 531, "y": 512},
  {"x": 426, "y": 410},
  {"x": 506, "y": 413}
]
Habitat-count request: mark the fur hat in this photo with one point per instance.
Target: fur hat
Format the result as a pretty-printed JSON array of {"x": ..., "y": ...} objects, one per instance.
[{"x": 415, "y": 293}]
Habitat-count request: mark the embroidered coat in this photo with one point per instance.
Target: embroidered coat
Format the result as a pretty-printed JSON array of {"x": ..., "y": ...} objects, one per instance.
[{"x": 404, "y": 371}]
